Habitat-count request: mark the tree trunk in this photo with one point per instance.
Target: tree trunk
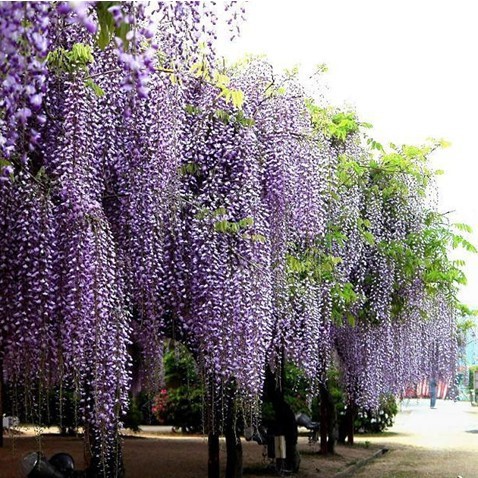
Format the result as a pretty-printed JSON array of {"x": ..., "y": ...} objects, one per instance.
[
  {"x": 324, "y": 423},
  {"x": 1, "y": 403},
  {"x": 285, "y": 424},
  {"x": 328, "y": 421},
  {"x": 233, "y": 439},
  {"x": 346, "y": 429},
  {"x": 234, "y": 453},
  {"x": 342, "y": 431},
  {"x": 347, "y": 425},
  {"x": 213, "y": 455},
  {"x": 350, "y": 424}
]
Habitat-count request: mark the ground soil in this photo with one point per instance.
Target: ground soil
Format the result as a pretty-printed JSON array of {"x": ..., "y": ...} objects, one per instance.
[
  {"x": 428, "y": 443},
  {"x": 410, "y": 462},
  {"x": 423, "y": 443},
  {"x": 178, "y": 456}
]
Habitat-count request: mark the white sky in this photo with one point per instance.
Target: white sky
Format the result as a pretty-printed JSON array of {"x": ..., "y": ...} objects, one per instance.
[{"x": 409, "y": 67}]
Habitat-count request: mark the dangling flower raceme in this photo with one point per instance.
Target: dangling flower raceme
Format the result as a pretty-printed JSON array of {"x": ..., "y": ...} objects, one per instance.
[{"x": 24, "y": 45}]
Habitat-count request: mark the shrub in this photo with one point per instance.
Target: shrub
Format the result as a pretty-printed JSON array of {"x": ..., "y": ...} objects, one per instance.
[
  {"x": 180, "y": 403},
  {"x": 376, "y": 421}
]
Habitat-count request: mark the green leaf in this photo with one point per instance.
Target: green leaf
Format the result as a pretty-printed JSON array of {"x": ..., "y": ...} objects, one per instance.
[
  {"x": 459, "y": 241},
  {"x": 70, "y": 61},
  {"x": 221, "y": 226},
  {"x": 258, "y": 238},
  {"x": 443, "y": 143},
  {"x": 375, "y": 145},
  {"x": 106, "y": 24},
  {"x": 202, "y": 213},
  {"x": 463, "y": 227},
  {"x": 222, "y": 115},
  {"x": 321, "y": 68},
  {"x": 81, "y": 54},
  {"x": 368, "y": 237},
  {"x": 107, "y": 27},
  {"x": 237, "y": 98},
  {"x": 241, "y": 119},
  {"x": 246, "y": 222},
  {"x": 231, "y": 227},
  {"x": 192, "y": 110},
  {"x": 468, "y": 246},
  {"x": 189, "y": 168},
  {"x": 220, "y": 211},
  {"x": 221, "y": 81},
  {"x": 89, "y": 83}
]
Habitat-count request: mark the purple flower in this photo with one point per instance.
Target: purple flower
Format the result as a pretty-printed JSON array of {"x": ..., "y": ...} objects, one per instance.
[
  {"x": 23, "y": 114},
  {"x": 36, "y": 101},
  {"x": 63, "y": 8},
  {"x": 7, "y": 171},
  {"x": 116, "y": 13},
  {"x": 142, "y": 91},
  {"x": 40, "y": 42},
  {"x": 90, "y": 25}
]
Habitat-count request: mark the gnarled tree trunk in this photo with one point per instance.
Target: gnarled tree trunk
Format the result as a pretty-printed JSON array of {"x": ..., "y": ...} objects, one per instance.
[
  {"x": 213, "y": 455},
  {"x": 285, "y": 424},
  {"x": 328, "y": 421},
  {"x": 234, "y": 451},
  {"x": 1, "y": 403},
  {"x": 233, "y": 438},
  {"x": 346, "y": 430}
]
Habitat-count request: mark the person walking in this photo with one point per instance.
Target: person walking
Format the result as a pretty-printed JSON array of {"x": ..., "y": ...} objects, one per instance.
[{"x": 433, "y": 393}]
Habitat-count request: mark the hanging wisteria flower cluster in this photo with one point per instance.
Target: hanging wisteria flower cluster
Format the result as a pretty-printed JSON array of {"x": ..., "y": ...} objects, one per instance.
[
  {"x": 23, "y": 73},
  {"x": 145, "y": 194},
  {"x": 87, "y": 188},
  {"x": 402, "y": 332}
]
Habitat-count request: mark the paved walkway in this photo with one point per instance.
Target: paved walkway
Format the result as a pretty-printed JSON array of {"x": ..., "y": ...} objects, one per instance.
[
  {"x": 451, "y": 425},
  {"x": 425, "y": 442}
]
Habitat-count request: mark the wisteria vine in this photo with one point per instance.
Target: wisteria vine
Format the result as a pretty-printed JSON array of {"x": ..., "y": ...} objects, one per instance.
[{"x": 146, "y": 194}]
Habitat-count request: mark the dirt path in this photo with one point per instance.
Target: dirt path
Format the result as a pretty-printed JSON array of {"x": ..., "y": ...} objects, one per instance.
[
  {"x": 440, "y": 443},
  {"x": 178, "y": 457}
]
